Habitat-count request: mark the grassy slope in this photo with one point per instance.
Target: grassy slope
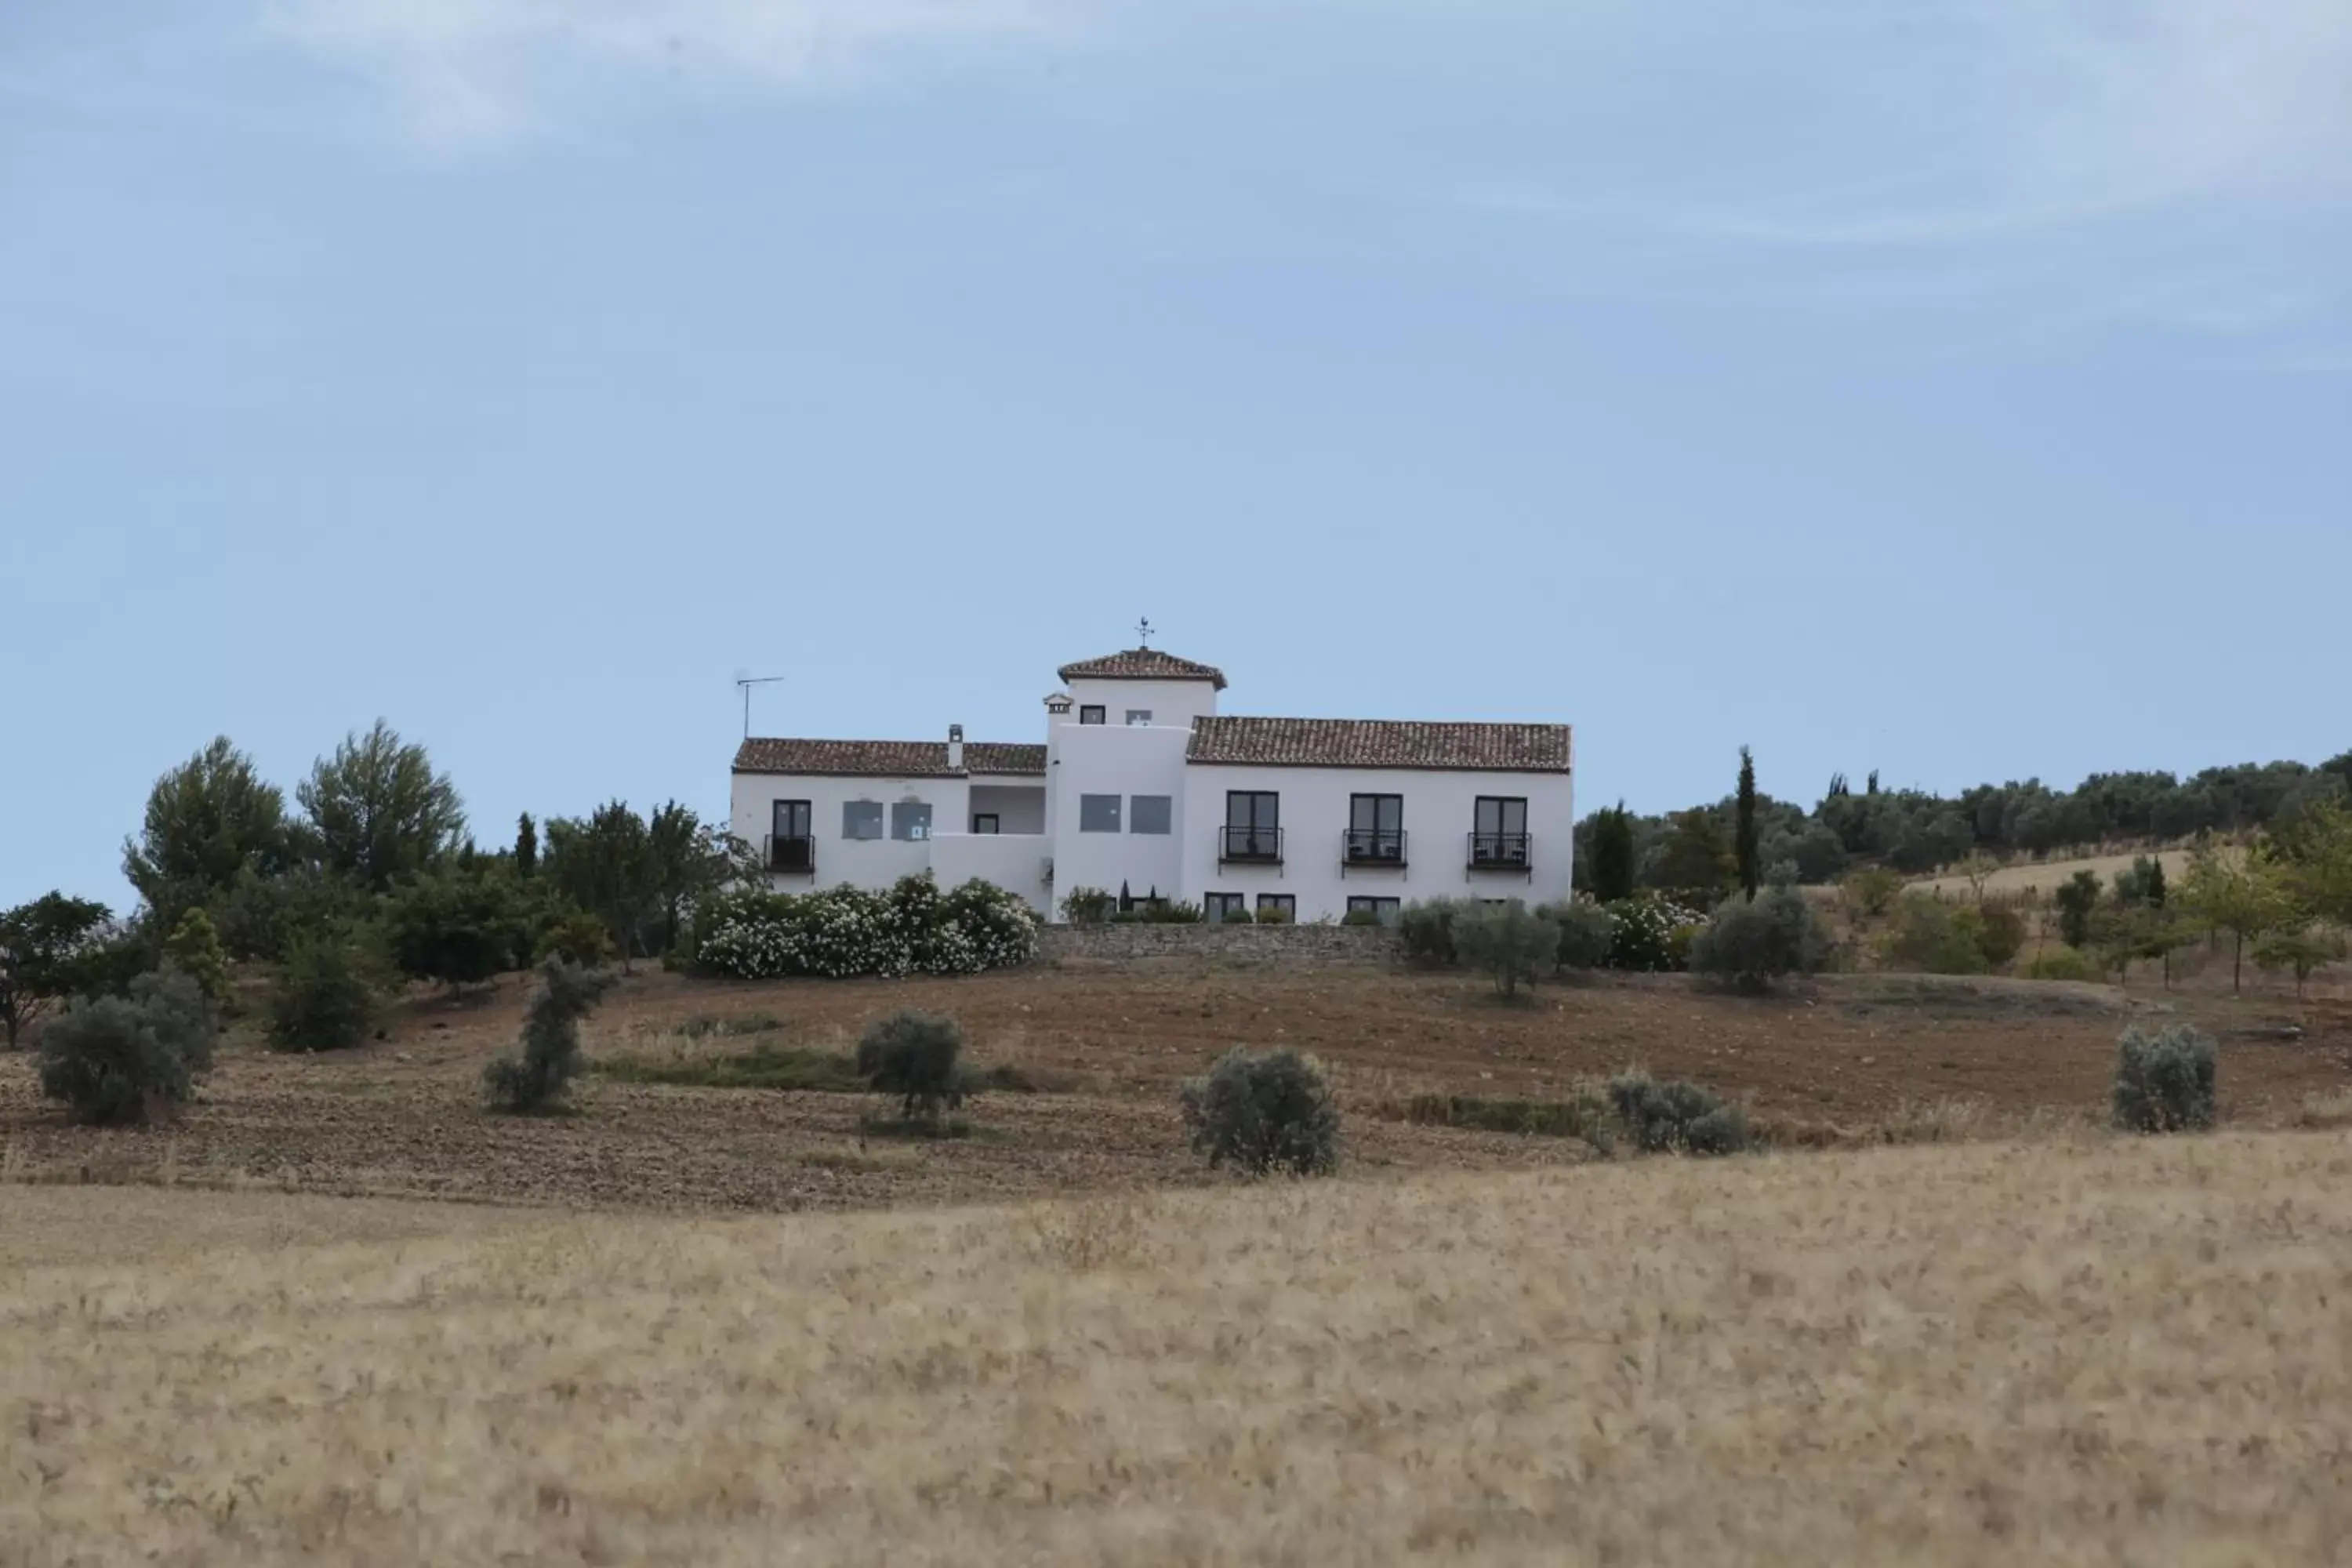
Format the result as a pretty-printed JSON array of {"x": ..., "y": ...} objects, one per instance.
[{"x": 2073, "y": 1351}]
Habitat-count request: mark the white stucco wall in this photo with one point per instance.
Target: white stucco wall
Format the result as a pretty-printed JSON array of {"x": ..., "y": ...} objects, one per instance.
[
  {"x": 1019, "y": 808},
  {"x": 867, "y": 863},
  {"x": 1438, "y": 807},
  {"x": 1014, "y": 862},
  {"x": 1124, "y": 761}
]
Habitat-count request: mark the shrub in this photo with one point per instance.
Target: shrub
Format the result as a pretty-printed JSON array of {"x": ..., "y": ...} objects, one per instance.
[
  {"x": 550, "y": 1056},
  {"x": 1272, "y": 915},
  {"x": 457, "y": 928},
  {"x": 913, "y": 1056},
  {"x": 110, "y": 1057},
  {"x": 2063, "y": 963},
  {"x": 2078, "y": 900},
  {"x": 2304, "y": 950},
  {"x": 2000, "y": 934},
  {"x": 1869, "y": 890},
  {"x": 1359, "y": 917},
  {"x": 327, "y": 994},
  {"x": 1650, "y": 933},
  {"x": 1754, "y": 943},
  {"x": 1169, "y": 913},
  {"x": 1427, "y": 928},
  {"x": 577, "y": 938},
  {"x": 1931, "y": 938},
  {"x": 2164, "y": 1082},
  {"x": 1509, "y": 942},
  {"x": 1087, "y": 906},
  {"x": 1586, "y": 932},
  {"x": 842, "y": 931},
  {"x": 1676, "y": 1116},
  {"x": 193, "y": 948},
  {"x": 1261, "y": 1112}
]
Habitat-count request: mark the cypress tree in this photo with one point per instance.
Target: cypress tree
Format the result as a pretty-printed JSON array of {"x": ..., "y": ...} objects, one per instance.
[
  {"x": 1611, "y": 876},
  {"x": 1744, "y": 833},
  {"x": 526, "y": 845}
]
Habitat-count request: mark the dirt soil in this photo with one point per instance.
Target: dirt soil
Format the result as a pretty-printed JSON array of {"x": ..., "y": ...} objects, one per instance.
[{"x": 1851, "y": 1059}]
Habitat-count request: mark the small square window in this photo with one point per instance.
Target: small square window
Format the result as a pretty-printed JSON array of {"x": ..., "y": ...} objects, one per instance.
[
  {"x": 1221, "y": 907},
  {"x": 1136, "y": 717},
  {"x": 910, "y": 821},
  {"x": 1281, "y": 906},
  {"x": 1151, "y": 814},
  {"x": 861, "y": 819},
  {"x": 1385, "y": 910},
  {"x": 984, "y": 822},
  {"x": 1098, "y": 814},
  {"x": 1092, "y": 713}
]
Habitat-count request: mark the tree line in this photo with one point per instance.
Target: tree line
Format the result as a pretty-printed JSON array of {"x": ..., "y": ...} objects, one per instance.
[
  {"x": 1914, "y": 831},
  {"x": 372, "y": 872}
]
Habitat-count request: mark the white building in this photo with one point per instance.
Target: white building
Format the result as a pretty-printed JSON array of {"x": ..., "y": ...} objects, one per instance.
[{"x": 1143, "y": 789}]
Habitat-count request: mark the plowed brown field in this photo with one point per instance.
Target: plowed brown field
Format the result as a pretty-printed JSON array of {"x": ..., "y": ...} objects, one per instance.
[{"x": 1851, "y": 1059}]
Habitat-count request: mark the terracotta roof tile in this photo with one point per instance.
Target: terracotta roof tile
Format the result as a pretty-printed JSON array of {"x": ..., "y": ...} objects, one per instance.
[
  {"x": 884, "y": 759},
  {"x": 1141, "y": 664},
  {"x": 1381, "y": 744}
]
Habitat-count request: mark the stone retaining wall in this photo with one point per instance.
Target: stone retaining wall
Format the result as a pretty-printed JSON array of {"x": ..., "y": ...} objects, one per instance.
[{"x": 1310, "y": 945}]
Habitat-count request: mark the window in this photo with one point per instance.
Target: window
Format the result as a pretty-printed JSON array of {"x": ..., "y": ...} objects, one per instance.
[
  {"x": 1252, "y": 826},
  {"x": 984, "y": 822},
  {"x": 1219, "y": 907},
  {"x": 1098, "y": 814},
  {"x": 910, "y": 821},
  {"x": 1498, "y": 831},
  {"x": 1151, "y": 814},
  {"x": 861, "y": 819},
  {"x": 1091, "y": 713},
  {"x": 791, "y": 846},
  {"x": 1136, "y": 716},
  {"x": 1282, "y": 906},
  {"x": 1376, "y": 830},
  {"x": 1385, "y": 910}
]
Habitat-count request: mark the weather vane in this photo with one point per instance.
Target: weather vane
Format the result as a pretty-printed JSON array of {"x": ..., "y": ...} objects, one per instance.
[{"x": 1143, "y": 630}]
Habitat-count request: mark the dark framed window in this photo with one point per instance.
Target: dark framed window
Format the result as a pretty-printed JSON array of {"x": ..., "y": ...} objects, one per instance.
[
  {"x": 1283, "y": 906},
  {"x": 1138, "y": 716},
  {"x": 792, "y": 842},
  {"x": 1385, "y": 910},
  {"x": 1154, "y": 814},
  {"x": 910, "y": 821},
  {"x": 1498, "y": 830},
  {"x": 1091, "y": 713},
  {"x": 861, "y": 819},
  {"x": 1218, "y": 907},
  {"x": 1098, "y": 814},
  {"x": 1376, "y": 830},
  {"x": 1253, "y": 824},
  {"x": 984, "y": 822}
]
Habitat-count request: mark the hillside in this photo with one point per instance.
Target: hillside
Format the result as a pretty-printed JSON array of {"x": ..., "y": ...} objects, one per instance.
[{"x": 2070, "y": 1351}]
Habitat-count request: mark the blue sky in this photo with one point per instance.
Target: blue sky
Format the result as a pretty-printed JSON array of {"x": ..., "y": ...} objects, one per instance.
[{"x": 1956, "y": 390}]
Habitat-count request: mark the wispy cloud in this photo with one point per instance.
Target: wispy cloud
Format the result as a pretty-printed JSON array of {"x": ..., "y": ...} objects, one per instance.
[{"x": 466, "y": 73}]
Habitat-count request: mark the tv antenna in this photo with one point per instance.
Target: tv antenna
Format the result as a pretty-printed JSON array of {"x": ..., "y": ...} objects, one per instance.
[{"x": 747, "y": 683}]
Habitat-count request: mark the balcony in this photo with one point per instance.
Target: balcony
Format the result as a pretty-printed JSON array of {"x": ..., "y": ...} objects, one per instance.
[
  {"x": 1501, "y": 851},
  {"x": 1379, "y": 848},
  {"x": 792, "y": 857},
  {"x": 1250, "y": 847}
]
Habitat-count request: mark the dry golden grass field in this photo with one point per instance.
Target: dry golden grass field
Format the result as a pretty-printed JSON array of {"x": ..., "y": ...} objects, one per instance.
[
  {"x": 2074, "y": 1349},
  {"x": 2043, "y": 876}
]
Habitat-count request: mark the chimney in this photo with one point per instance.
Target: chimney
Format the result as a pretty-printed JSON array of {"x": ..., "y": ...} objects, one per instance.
[{"x": 955, "y": 748}]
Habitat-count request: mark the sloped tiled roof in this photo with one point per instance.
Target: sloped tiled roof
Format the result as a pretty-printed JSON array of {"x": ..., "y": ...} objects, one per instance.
[
  {"x": 885, "y": 759},
  {"x": 1381, "y": 744},
  {"x": 1141, "y": 664}
]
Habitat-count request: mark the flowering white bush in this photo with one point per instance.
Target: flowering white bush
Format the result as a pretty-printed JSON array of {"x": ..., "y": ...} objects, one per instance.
[
  {"x": 842, "y": 931},
  {"x": 1652, "y": 932}
]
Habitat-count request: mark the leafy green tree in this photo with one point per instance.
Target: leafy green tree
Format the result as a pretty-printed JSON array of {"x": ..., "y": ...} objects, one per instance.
[
  {"x": 1753, "y": 943},
  {"x": 526, "y": 850},
  {"x": 1611, "y": 865},
  {"x": 2078, "y": 903},
  {"x": 1743, "y": 834},
  {"x": 1508, "y": 942},
  {"x": 550, "y": 1056},
  {"x": 377, "y": 810},
  {"x": 328, "y": 993},
  {"x": 2304, "y": 950},
  {"x": 688, "y": 859},
  {"x": 1693, "y": 858},
  {"x": 46, "y": 952},
  {"x": 193, "y": 949},
  {"x": 460, "y": 927},
  {"x": 606, "y": 865},
  {"x": 208, "y": 821},
  {"x": 110, "y": 1057},
  {"x": 2248, "y": 896},
  {"x": 2317, "y": 852}
]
